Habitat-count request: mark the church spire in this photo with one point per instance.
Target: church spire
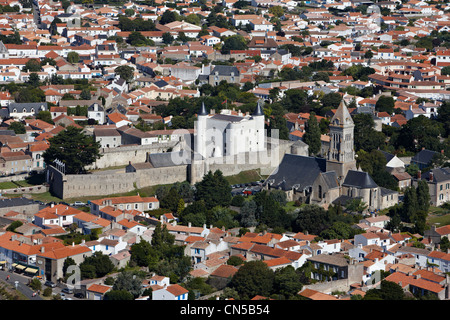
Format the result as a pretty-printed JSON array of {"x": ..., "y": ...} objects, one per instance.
[{"x": 342, "y": 115}]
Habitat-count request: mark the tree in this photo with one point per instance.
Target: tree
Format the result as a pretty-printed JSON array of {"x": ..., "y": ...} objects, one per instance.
[
  {"x": 423, "y": 196},
  {"x": 167, "y": 17},
  {"x": 248, "y": 214},
  {"x": 214, "y": 189},
  {"x": 167, "y": 38},
  {"x": 125, "y": 72},
  {"x": 410, "y": 204},
  {"x": 17, "y": 127},
  {"x": 235, "y": 42},
  {"x": 32, "y": 65},
  {"x": 73, "y": 57},
  {"x": 312, "y": 135},
  {"x": 253, "y": 278},
  {"x": 444, "y": 244},
  {"x": 98, "y": 265},
  {"x": 332, "y": 99},
  {"x": 74, "y": 148},
  {"x": 388, "y": 291},
  {"x": 119, "y": 295},
  {"x": 12, "y": 227},
  {"x": 85, "y": 94},
  {"x": 277, "y": 11},
  {"x": 287, "y": 282},
  {"x": 129, "y": 282},
  {"x": 137, "y": 39},
  {"x": 365, "y": 136},
  {"x": 33, "y": 80},
  {"x": 385, "y": 104},
  {"x": 311, "y": 218}
]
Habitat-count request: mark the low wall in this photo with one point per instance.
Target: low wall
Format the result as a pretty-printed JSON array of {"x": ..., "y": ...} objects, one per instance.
[
  {"x": 113, "y": 157},
  {"x": 25, "y": 190}
]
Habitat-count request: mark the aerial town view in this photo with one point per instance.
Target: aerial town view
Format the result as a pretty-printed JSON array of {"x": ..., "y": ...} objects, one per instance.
[{"x": 232, "y": 151}]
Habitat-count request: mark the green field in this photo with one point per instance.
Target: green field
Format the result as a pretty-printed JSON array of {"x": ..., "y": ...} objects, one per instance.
[
  {"x": 438, "y": 216},
  {"x": 245, "y": 177}
]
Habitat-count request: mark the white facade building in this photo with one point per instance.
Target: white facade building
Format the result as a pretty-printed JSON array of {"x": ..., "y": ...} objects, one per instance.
[{"x": 228, "y": 134}]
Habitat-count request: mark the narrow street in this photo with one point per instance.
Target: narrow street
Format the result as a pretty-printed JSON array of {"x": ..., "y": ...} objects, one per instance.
[{"x": 21, "y": 283}]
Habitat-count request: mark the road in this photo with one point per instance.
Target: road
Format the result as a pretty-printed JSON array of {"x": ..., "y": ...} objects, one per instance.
[
  {"x": 22, "y": 283},
  {"x": 25, "y": 289}
]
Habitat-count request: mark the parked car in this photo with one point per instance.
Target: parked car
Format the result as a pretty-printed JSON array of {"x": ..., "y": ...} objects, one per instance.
[
  {"x": 79, "y": 295},
  {"x": 50, "y": 284},
  {"x": 79, "y": 204},
  {"x": 67, "y": 290}
]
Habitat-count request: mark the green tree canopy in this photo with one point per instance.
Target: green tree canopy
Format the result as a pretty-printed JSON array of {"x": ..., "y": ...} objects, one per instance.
[
  {"x": 74, "y": 148},
  {"x": 214, "y": 189},
  {"x": 235, "y": 42},
  {"x": 253, "y": 278},
  {"x": 125, "y": 72},
  {"x": 312, "y": 135}
]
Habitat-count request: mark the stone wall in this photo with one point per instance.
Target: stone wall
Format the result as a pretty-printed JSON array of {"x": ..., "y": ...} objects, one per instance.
[
  {"x": 111, "y": 181},
  {"x": 355, "y": 274},
  {"x": 112, "y": 157},
  {"x": 108, "y": 182}
]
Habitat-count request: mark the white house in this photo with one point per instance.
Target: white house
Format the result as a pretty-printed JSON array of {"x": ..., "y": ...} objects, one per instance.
[{"x": 172, "y": 293}]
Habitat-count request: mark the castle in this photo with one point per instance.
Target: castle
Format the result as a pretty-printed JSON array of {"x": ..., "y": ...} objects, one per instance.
[{"x": 233, "y": 142}]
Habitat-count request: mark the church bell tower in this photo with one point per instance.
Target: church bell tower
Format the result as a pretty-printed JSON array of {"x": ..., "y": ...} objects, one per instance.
[{"x": 341, "y": 153}]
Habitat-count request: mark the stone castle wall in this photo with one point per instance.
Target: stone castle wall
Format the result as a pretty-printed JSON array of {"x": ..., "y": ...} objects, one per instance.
[{"x": 108, "y": 182}]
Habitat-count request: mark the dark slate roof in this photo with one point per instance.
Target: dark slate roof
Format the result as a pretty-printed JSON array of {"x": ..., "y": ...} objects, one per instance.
[
  {"x": 13, "y": 202},
  {"x": 226, "y": 117},
  {"x": 225, "y": 70},
  {"x": 203, "y": 111},
  {"x": 439, "y": 174},
  {"x": 387, "y": 155},
  {"x": 331, "y": 179},
  {"x": 424, "y": 156},
  {"x": 343, "y": 200},
  {"x": 160, "y": 83},
  {"x": 170, "y": 159},
  {"x": 297, "y": 172},
  {"x": 385, "y": 192},
  {"x": 28, "y": 106},
  {"x": 359, "y": 179},
  {"x": 258, "y": 110}
]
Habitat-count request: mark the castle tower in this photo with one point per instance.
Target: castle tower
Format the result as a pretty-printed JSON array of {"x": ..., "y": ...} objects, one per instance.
[
  {"x": 258, "y": 116},
  {"x": 200, "y": 136},
  {"x": 341, "y": 154}
]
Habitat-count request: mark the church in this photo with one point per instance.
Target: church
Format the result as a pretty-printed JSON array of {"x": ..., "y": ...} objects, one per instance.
[{"x": 332, "y": 179}]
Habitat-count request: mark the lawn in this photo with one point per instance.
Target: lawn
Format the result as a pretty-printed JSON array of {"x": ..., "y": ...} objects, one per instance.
[
  {"x": 439, "y": 216},
  {"x": 245, "y": 177},
  {"x": 8, "y": 185}
]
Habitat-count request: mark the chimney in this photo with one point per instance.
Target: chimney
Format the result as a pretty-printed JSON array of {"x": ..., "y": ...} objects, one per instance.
[
  {"x": 431, "y": 176},
  {"x": 42, "y": 249},
  {"x": 189, "y": 224},
  {"x": 419, "y": 174}
]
